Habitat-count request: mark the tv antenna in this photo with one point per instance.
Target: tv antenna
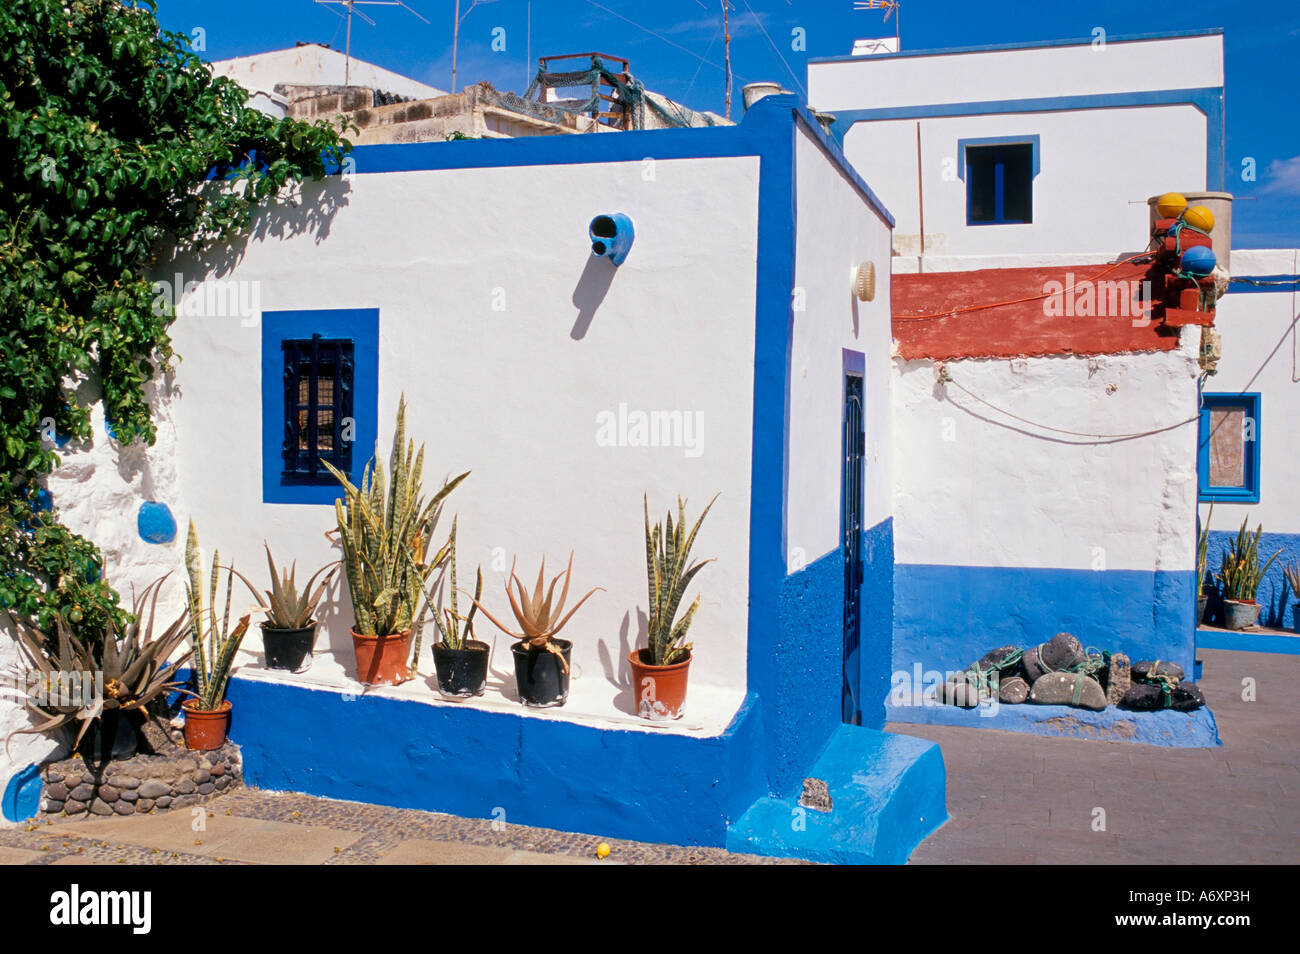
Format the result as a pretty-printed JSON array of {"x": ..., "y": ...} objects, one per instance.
[
  {"x": 892, "y": 8},
  {"x": 350, "y": 6}
]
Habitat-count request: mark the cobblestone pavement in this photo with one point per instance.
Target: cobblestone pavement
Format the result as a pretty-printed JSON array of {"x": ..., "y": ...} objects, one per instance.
[
  {"x": 1017, "y": 799},
  {"x": 1014, "y": 798},
  {"x": 249, "y": 826}
]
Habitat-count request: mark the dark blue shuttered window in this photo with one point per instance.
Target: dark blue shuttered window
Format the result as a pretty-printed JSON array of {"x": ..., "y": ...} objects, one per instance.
[{"x": 318, "y": 413}]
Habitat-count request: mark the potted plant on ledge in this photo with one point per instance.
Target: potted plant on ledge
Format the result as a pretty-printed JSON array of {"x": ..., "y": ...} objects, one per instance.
[
  {"x": 460, "y": 660},
  {"x": 1292, "y": 573},
  {"x": 1240, "y": 574},
  {"x": 659, "y": 671},
  {"x": 541, "y": 660},
  {"x": 289, "y": 630},
  {"x": 385, "y": 533},
  {"x": 1202, "y": 564},
  {"x": 207, "y": 715}
]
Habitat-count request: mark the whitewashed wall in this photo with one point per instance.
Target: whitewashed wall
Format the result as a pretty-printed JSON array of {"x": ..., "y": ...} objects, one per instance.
[
  {"x": 1110, "y": 159},
  {"x": 876, "y": 82},
  {"x": 836, "y": 231},
  {"x": 969, "y": 492},
  {"x": 1261, "y": 353},
  {"x": 313, "y": 65},
  {"x": 510, "y": 394}
]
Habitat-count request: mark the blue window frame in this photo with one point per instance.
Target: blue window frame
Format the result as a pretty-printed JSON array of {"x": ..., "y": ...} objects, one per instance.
[
  {"x": 999, "y": 174},
  {"x": 320, "y": 397},
  {"x": 1228, "y": 443}
]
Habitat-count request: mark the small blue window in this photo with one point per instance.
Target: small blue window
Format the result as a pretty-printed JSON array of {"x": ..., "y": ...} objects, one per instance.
[
  {"x": 999, "y": 175},
  {"x": 319, "y": 401},
  {"x": 1228, "y": 444}
]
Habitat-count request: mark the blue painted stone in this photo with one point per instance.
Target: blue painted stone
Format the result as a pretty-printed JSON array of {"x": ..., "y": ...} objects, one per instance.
[
  {"x": 22, "y": 797},
  {"x": 155, "y": 523},
  {"x": 41, "y": 500}
]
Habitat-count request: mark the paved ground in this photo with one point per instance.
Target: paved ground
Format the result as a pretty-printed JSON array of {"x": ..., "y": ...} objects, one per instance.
[
  {"x": 1018, "y": 799},
  {"x": 1013, "y": 798}
]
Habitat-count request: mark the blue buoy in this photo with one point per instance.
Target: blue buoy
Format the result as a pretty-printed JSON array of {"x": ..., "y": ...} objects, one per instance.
[
  {"x": 155, "y": 523},
  {"x": 1199, "y": 260}
]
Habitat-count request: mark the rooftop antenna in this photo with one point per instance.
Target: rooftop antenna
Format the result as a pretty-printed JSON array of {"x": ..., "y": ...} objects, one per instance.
[
  {"x": 457, "y": 19},
  {"x": 350, "y": 6},
  {"x": 892, "y": 8}
]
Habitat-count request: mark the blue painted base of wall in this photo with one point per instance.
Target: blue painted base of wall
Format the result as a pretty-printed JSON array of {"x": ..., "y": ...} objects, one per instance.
[
  {"x": 877, "y": 639},
  {"x": 1287, "y": 645},
  {"x": 1196, "y": 729},
  {"x": 1279, "y": 607},
  {"x": 887, "y": 795},
  {"x": 946, "y": 617}
]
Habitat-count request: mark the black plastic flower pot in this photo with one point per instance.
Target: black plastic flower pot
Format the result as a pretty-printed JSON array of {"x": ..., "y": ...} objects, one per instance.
[
  {"x": 542, "y": 679},
  {"x": 462, "y": 673},
  {"x": 111, "y": 736},
  {"x": 288, "y": 648}
]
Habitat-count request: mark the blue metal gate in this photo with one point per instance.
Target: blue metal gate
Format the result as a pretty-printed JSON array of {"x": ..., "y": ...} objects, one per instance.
[{"x": 851, "y": 541}]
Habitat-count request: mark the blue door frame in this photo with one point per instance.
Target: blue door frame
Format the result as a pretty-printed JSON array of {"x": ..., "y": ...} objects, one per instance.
[{"x": 854, "y": 453}]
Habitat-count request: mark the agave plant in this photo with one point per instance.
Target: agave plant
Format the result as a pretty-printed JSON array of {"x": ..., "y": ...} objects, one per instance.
[
  {"x": 668, "y": 573},
  {"x": 287, "y": 608},
  {"x": 451, "y": 628},
  {"x": 135, "y": 667},
  {"x": 385, "y": 531},
  {"x": 539, "y": 616},
  {"x": 1240, "y": 571},
  {"x": 215, "y": 643}
]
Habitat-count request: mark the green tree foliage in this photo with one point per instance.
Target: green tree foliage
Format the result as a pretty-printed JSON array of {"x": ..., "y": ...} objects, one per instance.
[{"x": 110, "y": 132}]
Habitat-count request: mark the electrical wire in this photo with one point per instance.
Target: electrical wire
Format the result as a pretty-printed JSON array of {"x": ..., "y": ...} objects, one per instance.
[
  {"x": 776, "y": 49},
  {"x": 660, "y": 36},
  {"x": 946, "y": 377}
]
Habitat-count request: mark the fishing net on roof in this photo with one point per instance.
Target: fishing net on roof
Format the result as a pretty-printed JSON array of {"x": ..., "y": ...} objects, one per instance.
[{"x": 630, "y": 96}]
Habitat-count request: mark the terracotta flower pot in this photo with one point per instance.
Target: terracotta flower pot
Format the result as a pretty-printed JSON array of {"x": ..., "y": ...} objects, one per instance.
[
  {"x": 206, "y": 729},
  {"x": 660, "y": 690},
  {"x": 381, "y": 660}
]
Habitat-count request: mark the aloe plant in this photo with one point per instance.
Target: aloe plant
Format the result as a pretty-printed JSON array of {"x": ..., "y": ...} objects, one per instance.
[
  {"x": 136, "y": 666},
  {"x": 668, "y": 573},
  {"x": 539, "y": 616},
  {"x": 1203, "y": 551},
  {"x": 385, "y": 530},
  {"x": 1292, "y": 573},
  {"x": 215, "y": 642},
  {"x": 287, "y": 608},
  {"x": 1240, "y": 571}
]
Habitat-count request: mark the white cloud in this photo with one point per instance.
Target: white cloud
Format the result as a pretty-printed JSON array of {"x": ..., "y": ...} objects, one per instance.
[{"x": 1282, "y": 177}]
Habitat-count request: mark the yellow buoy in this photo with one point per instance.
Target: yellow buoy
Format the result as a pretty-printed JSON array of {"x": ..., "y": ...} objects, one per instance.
[
  {"x": 602, "y": 850},
  {"x": 1199, "y": 217},
  {"x": 1171, "y": 205}
]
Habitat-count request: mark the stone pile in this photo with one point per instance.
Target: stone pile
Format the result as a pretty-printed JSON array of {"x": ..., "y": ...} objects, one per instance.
[
  {"x": 140, "y": 784},
  {"x": 1061, "y": 672}
]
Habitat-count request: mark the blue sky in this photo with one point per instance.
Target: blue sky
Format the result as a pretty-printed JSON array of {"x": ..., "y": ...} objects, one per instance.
[{"x": 675, "y": 47}]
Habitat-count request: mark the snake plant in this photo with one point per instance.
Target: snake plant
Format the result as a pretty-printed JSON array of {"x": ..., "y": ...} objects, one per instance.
[
  {"x": 215, "y": 642},
  {"x": 539, "y": 616},
  {"x": 1292, "y": 573},
  {"x": 287, "y": 608},
  {"x": 136, "y": 667},
  {"x": 453, "y": 634},
  {"x": 668, "y": 573},
  {"x": 385, "y": 529},
  {"x": 1203, "y": 551},
  {"x": 1240, "y": 571}
]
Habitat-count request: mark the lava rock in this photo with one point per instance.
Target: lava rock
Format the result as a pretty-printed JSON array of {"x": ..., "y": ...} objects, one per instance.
[
  {"x": 1147, "y": 669},
  {"x": 1062, "y": 651},
  {"x": 1031, "y": 665},
  {"x": 1061, "y": 688},
  {"x": 958, "y": 692},
  {"x": 993, "y": 659},
  {"x": 1119, "y": 678},
  {"x": 1013, "y": 691},
  {"x": 816, "y": 795},
  {"x": 1147, "y": 697},
  {"x": 154, "y": 788}
]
